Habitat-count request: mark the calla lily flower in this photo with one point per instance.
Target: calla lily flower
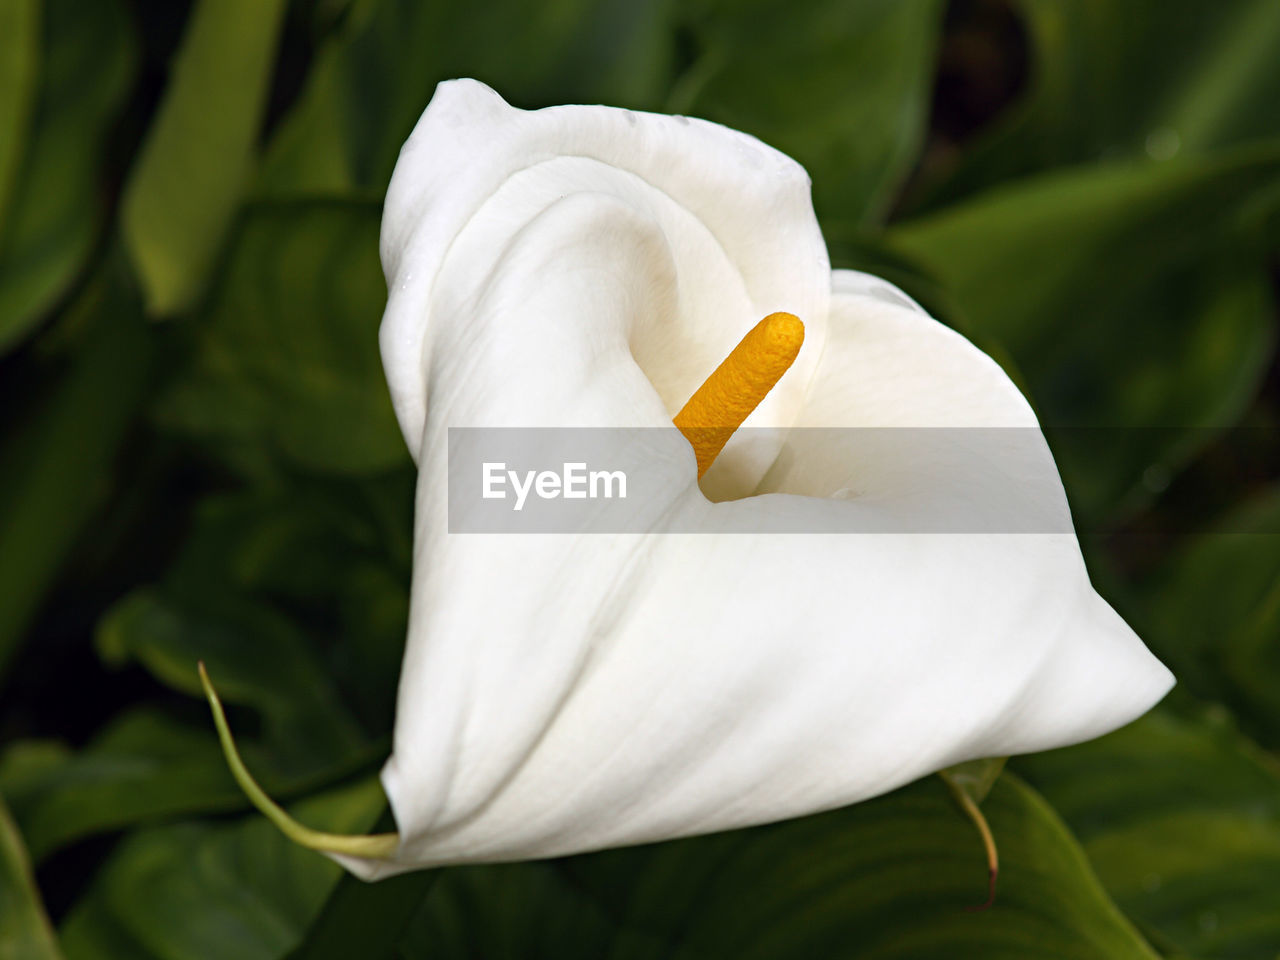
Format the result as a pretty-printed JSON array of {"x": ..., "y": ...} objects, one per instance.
[{"x": 583, "y": 266}]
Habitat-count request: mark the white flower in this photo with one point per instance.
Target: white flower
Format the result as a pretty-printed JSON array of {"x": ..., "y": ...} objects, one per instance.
[{"x": 589, "y": 266}]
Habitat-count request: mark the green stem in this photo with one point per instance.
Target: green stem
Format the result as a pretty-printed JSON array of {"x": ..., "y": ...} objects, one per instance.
[
  {"x": 970, "y": 807},
  {"x": 378, "y": 846}
]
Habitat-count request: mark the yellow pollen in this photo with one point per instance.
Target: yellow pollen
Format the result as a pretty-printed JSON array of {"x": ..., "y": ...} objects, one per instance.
[{"x": 727, "y": 397}]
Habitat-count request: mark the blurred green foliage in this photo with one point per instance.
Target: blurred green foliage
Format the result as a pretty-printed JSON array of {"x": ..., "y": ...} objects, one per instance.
[
  {"x": 192, "y": 169},
  {"x": 198, "y": 459},
  {"x": 1126, "y": 296},
  {"x": 81, "y": 63},
  {"x": 25, "y": 932}
]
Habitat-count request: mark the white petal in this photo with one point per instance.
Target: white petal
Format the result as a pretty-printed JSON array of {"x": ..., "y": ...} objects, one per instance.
[
  {"x": 735, "y": 215},
  {"x": 910, "y": 419},
  {"x": 585, "y": 266},
  {"x": 563, "y": 694}
]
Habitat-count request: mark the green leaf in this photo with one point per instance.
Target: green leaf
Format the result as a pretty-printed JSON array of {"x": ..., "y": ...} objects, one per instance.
[
  {"x": 257, "y": 658},
  {"x": 286, "y": 360},
  {"x": 1213, "y": 613},
  {"x": 1155, "y": 78},
  {"x": 19, "y": 75},
  {"x": 886, "y": 878},
  {"x": 55, "y": 210},
  {"x": 239, "y": 891},
  {"x": 1130, "y": 296},
  {"x": 257, "y": 589},
  {"x": 843, "y": 86},
  {"x": 370, "y": 83},
  {"x": 195, "y": 165},
  {"x": 56, "y": 468},
  {"x": 525, "y": 910},
  {"x": 333, "y": 557},
  {"x": 366, "y": 919},
  {"x": 145, "y": 767},
  {"x": 1181, "y": 818},
  {"x": 25, "y": 933},
  {"x": 142, "y": 767}
]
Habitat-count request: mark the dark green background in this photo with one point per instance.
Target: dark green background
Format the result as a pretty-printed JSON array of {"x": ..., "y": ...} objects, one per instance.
[{"x": 198, "y": 459}]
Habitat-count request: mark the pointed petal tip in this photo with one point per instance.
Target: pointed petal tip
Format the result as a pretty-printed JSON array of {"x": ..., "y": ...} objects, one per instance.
[{"x": 1102, "y": 678}]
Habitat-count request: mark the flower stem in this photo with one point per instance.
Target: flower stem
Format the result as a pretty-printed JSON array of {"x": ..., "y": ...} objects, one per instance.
[
  {"x": 376, "y": 846},
  {"x": 972, "y": 811}
]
